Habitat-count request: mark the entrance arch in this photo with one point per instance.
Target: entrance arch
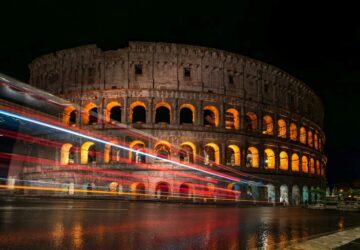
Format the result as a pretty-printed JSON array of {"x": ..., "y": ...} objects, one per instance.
[
  {"x": 284, "y": 194},
  {"x": 162, "y": 190},
  {"x": 295, "y": 194}
]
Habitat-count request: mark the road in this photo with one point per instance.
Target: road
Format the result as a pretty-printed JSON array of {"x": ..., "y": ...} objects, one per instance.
[{"x": 104, "y": 224}]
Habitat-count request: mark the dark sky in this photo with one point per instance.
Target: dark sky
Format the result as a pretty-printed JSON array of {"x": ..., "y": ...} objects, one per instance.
[{"x": 318, "y": 42}]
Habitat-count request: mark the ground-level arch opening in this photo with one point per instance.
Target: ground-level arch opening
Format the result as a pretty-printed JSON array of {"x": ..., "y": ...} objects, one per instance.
[
  {"x": 284, "y": 195},
  {"x": 162, "y": 190}
]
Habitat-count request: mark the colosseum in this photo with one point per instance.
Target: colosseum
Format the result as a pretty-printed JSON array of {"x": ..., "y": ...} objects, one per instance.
[{"x": 217, "y": 108}]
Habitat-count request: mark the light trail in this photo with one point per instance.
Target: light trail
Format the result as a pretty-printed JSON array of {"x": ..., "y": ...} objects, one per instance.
[{"x": 114, "y": 145}]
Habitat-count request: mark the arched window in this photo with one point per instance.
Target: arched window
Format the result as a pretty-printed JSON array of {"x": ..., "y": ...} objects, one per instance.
[
  {"x": 293, "y": 132},
  {"x": 162, "y": 112},
  {"x": 295, "y": 163},
  {"x": 303, "y": 135},
  {"x": 269, "y": 159},
  {"x": 232, "y": 119},
  {"x": 67, "y": 155},
  {"x": 187, "y": 152},
  {"x": 318, "y": 169},
  {"x": 211, "y": 154},
  {"x": 137, "y": 155},
  {"x": 90, "y": 114},
  {"x": 268, "y": 126},
  {"x": 211, "y": 116},
  {"x": 162, "y": 149},
  {"x": 281, "y": 128},
  {"x": 138, "y": 112},
  {"x": 251, "y": 121},
  {"x": 316, "y": 142},
  {"x": 88, "y": 153},
  {"x": 312, "y": 166},
  {"x": 162, "y": 190},
  {"x": 69, "y": 115},
  {"x": 304, "y": 164},
  {"x": 233, "y": 155},
  {"x": 252, "y": 157},
  {"x": 113, "y": 112},
  {"x": 310, "y": 138},
  {"x": 187, "y": 114},
  {"x": 284, "y": 161}
]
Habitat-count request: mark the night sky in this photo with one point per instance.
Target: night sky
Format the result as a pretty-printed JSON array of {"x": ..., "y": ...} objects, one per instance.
[{"x": 318, "y": 42}]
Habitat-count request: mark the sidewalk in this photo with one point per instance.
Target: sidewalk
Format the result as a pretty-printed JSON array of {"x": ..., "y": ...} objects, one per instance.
[{"x": 344, "y": 240}]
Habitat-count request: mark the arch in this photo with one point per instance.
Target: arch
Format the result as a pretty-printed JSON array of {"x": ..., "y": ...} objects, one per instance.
[
  {"x": 67, "y": 154},
  {"x": 232, "y": 119},
  {"x": 295, "y": 162},
  {"x": 136, "y": 157},
  {"x": 162, "y": 149},
  {"x": 251, "y": 121},
  {"x": 281, "y": 128},
  {"x": 69, "y": 115},
  {"x": 137, "y": 112},
  {"x": 113, "y": 186},
  {"x": 233, "y": 155},
  {"x": 162, "y": 190},
  {"x": 252, "y": 157},
  {"x": 211, "y": 154},
  {"x": 304, "y": 164},
  {"x": 187, "y": 152},
  {"x": 284, "y": 161},
  {"x": 269, "y": 159},
  {"x": 138, "y": 188},
  {"x": 113, "y": 112},
  {"x": 305, "y": 194},
  {"x": 211, "y": 116},
  {"x": 271, "y": 193},
  {"x": 162, "y": 112},
  {"x": 303, "y": 135},
  {"x": 111, "y": 154},
  {"x": 310, "y": 138},
  {"x": 312, "y": 166},
  {"x": 88, "y": 153},
  {"x": 268, "y": 125},
  {"x": 284, "y": 194},
  {"x": 90, "y": 114},
  {"x": 185, "y": 190},
  {"x": 316, "y": 142},
  {"x": 295, "y": 195},
  {"x": 293, "y": 132},
  {"x": 187, "y": 113},
  {"x": 318, "y": 170}
]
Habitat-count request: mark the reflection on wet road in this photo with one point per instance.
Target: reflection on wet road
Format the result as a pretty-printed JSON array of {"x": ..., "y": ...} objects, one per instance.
[{"x": 81, "y": 224}]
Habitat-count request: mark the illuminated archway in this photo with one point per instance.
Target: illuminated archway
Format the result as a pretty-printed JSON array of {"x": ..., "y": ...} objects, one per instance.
[
  {"x": 269, "y": 159},
  {"x": 113, "y": 186},
  {"x": 113, "y": 112},
  {"x": 211, "y": 116},
  {"x": 69, "y": 115},
  {"x": 162, "y": 190},
  {"x": 295, "y": 194},
  {"x": 312, "y": 166},
  {"x": 232, "y": 120},
  {"x": 187, "y": 113},
  {"x": 88, "y": 153},
  {"x": 284, "y": 161},
  {"x": 139, "y": 189},
  {"x": 137, "y": 112},
  {"x": 162, "y": 112},
  {"x": 305, "y": 195},
  {"x": 251, "y": 121},
  {"x": 316, "y": 142},
  {"x": 252, "y": 157},
  {"x": 293, "y": 132},
  {"x": 303, "y": 135},
  {"x": 268, "y": 125},
  {"x": 137, "y": 157},
  {"x": 162, "y": 149},
  {"x": 281, "y": 128},
  {"x": 211, "y": 154},
  {"x": 90, "y": 114},
  {"x": 310, "y": 138},
  {"x": 304, "y": 164},
  {"x": 233, "y": 155},
  {"x": 67, "y": 154},
  {"x": 185, "y": 190},
  {"x": 295, "y": 163},
  {"x": 284, "y": 194},
  {"x": 318, "y": 169},
  {"x": 271, "y": 193},
  {"x": 187, "y": 152}
]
